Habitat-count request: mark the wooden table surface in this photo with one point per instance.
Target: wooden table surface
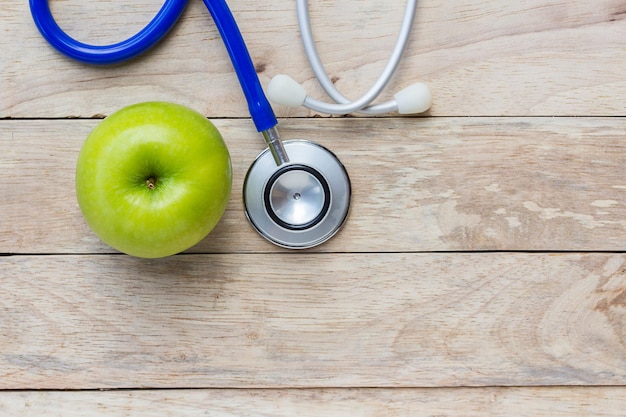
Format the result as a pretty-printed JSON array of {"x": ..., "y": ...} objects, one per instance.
[{"x": 481, "y": 272}]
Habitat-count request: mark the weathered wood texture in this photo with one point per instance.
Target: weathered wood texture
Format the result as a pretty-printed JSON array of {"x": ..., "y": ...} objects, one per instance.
[
  {"x": 307, "y": 320},
  {"x": 419, "y": 184},
  {"x": 481, "y": 57},
  {"x": 488, "y": 402},
  {"x": 526, "y": 303}
]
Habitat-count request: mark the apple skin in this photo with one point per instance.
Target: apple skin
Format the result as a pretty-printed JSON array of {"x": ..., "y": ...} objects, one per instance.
[{"x": 153, "y": 179}]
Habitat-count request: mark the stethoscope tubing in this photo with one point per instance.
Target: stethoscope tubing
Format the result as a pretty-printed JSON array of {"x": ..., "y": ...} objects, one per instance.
[
  {"x": 143, "y": 40},
  {"x": 363, "y": 104},
  {"x": 259, "y": 107}
]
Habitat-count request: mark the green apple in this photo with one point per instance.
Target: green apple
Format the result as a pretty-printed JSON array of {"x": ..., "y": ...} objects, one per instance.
[{"x": 153, "y": 179}]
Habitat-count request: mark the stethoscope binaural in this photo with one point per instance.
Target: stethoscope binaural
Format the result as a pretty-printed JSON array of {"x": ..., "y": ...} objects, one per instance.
[{"x": 296, "y": 193}]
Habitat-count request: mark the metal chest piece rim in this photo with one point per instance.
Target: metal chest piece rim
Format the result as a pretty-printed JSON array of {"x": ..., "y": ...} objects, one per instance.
[{"x": 299, "y": 204}]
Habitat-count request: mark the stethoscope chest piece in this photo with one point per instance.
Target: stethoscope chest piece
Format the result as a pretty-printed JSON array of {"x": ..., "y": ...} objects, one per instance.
[{"x": 299, "y": 204}]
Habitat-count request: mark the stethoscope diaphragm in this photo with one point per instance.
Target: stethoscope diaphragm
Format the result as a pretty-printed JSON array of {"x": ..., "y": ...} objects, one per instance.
[{"x": 299, "y": 204}]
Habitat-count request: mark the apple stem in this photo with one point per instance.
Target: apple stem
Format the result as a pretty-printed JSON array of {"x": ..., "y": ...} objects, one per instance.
[{"x": 151, "y": 183}]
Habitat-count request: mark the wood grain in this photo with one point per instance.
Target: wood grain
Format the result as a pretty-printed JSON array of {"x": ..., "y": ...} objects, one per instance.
[
  {"x": 312, "y": 320},
  {"x": 480, "y": 57},
  {"x": 419, "y": 184},
  {"x": 481, "y": 271},
  {"x": 483, "y": 402}
]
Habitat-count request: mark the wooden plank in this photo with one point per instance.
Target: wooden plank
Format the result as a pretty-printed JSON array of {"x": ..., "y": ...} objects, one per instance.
[
  {"x": 418, "y": 184},
  {"x": 388, "y": 307},
  {"x": 484, "y": 402},
  {"x": 480, "y": 57},
  {"x": 312, "y": 320}
]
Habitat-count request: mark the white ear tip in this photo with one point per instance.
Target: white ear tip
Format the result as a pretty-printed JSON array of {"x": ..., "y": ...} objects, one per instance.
[
  {"x": 414, "y": 99},
  {"x": 284, "y": 90}
]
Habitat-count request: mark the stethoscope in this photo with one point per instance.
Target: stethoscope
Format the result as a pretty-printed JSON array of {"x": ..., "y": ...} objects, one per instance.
[{"x": 296, "y": 193}]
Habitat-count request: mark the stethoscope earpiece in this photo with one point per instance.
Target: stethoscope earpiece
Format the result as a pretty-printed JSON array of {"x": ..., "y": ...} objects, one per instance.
[
  {"x": 284, "y": 90},
  {"x": 414, "y": 99},
  {"x": 301, "y": 203}
]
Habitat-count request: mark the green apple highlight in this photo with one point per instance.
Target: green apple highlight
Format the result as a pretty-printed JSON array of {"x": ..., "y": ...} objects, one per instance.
[{"x": 153, "y": 179}]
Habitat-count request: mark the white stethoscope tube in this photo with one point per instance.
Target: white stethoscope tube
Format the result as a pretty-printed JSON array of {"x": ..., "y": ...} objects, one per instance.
[{"x": 413, "y": 99}]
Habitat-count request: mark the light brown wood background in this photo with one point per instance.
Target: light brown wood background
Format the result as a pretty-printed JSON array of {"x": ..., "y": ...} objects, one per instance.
[{"x": 482, "y": 270}]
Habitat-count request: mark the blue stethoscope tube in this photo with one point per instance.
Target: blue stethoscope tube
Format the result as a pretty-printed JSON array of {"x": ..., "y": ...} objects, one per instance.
[{"x": 259, "y": 107}]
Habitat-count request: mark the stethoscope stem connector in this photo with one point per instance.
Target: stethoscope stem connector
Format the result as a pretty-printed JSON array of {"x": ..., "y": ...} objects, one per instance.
[{"x": 272, "y": 139}]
